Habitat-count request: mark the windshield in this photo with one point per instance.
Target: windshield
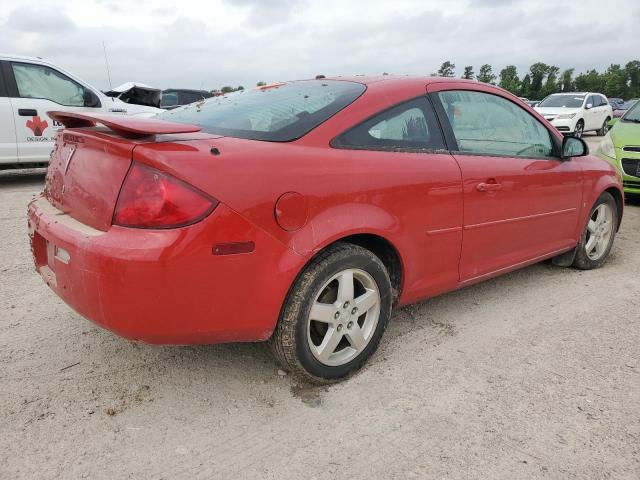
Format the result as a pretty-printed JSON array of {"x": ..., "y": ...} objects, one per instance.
[
  {"x": 276, "y": 113},
  {"x": 626, "y": 105},
  {"x": 633, "y": 114},
  {"x": 563, "y": 101}
]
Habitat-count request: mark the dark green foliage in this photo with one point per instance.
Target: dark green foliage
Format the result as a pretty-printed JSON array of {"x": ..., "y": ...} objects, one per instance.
[
  {"x": 542, "y": 79},
  {"x": 486, "y": 74},
  {"x": 447, "y": 69}
]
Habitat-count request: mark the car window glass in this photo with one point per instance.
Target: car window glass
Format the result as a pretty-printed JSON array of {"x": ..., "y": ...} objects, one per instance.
[
  {"x": 189, "y": 97},
  {"x": 38, "y": 81},
  {"x": 277, "y": 113},
  {"x": 411, "y": 125},
  {"x": 591, "y": 100},
  {"x": 169, "y": 99},
  {"x": 491, "y": 125},
  {"x": 562, "y": 100}
]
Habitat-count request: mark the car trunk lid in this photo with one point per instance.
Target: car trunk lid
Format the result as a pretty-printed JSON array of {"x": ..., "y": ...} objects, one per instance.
[{"x": 89, "y": 164}]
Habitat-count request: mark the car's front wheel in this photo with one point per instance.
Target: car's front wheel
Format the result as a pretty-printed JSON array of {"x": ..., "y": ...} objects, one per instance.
[
  {"x": 598, "y": 235},
  {"x": 604, "y": 129},
  {"x": 578, "y": 132},
  {"x": 334, "y": 314}
]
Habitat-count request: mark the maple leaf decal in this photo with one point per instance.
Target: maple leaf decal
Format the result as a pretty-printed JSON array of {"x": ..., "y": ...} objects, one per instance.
[{"x": 37, "y": 126}]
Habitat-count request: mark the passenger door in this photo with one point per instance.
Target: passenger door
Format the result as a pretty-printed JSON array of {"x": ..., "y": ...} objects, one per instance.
[
  {"x": 34, "y": 90},
  {"x": 593, "y": 115},
  {"x": 8, "y": 147},
  {"x": 521, "y": 201}
]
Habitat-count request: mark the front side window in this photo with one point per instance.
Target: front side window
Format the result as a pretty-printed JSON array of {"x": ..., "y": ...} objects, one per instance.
[
  {"x": 411, "y": 125},
  {"x": 38, "y": 81},
  {"x": 491, "y": 125},
  {"x": 276, "y": 113}
]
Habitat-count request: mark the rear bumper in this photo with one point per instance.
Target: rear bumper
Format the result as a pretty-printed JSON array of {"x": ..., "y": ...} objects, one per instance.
[{"x": 165, "y": 286}]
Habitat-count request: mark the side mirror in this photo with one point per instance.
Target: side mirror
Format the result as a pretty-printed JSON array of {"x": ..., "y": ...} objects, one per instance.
[
  {"x": 589, "y": 105},
  {"x": 574, "y": 147},
  {"x": 90, "y": 99}
]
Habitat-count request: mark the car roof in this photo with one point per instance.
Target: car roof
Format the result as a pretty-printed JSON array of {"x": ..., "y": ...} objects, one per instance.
[{"x": 398, "y": 79}]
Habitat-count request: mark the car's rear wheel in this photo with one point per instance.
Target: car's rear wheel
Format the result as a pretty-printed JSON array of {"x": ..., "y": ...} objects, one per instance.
[
  {"x": 578, "y": 132},
  {"x": 604, "y": 129},
  {"x": 334, "y": 314},
  {"x": 598, "y": 235}
]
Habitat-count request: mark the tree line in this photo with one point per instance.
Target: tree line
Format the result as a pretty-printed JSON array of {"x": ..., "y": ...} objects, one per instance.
[{"x": 541, "y": 80}]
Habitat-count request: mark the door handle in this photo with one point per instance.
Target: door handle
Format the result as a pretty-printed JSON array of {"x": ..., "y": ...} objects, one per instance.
[
  {"x": 488, "y": 187},
  {"x": 27, "y": 112}
]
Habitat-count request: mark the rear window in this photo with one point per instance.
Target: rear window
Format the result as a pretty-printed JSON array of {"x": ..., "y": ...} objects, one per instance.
[{"x": 277, "y": 113}]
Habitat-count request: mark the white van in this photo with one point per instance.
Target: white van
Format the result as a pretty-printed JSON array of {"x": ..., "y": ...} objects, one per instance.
[{"x": 31, "y": 87}]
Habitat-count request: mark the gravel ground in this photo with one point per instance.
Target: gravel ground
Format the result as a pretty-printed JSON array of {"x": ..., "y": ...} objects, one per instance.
[{"x": 532, "y": 375}]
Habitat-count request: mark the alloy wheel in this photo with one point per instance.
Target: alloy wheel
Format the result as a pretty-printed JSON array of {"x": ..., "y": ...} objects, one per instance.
[
  {"x": 578, "y": 131},
  {"x": 599, "y": 231},
  {"x": 343, "y": 317}
]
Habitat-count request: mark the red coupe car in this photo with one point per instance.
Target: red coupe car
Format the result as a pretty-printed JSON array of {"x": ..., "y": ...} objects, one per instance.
[{"x": 301, "y": 212}]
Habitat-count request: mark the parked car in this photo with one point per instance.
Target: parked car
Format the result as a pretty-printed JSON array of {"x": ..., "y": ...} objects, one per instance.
[
  {"x": 577, "y": 113},
  {"x": 533, "y": 103},
  {"x": 177, "y": 97},
  {"x": 302, "y": 212},
  {"x": 29, "y": 87},
  {"x": 621, "y": 147},
  {"x": 620, "y": 110},
  {"x": 615, "y": 102},
  {"x": 137, "y": 93}
]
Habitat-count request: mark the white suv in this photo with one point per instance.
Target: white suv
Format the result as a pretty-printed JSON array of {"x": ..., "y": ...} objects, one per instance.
[
  {"x": 31, "y": 87},
  {"x": 576, "y": 113}
]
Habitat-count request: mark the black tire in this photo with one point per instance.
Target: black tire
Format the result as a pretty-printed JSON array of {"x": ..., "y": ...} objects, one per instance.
[
  {"x": 604, "y": 129},
  {"x": 289, "y": 342},
  {"x": 579, "y": 130},
  {"x": 582, "y": 260}
]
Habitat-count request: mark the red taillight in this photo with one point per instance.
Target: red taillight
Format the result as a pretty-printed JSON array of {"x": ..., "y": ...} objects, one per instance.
[{"x": 150, "y": 198}]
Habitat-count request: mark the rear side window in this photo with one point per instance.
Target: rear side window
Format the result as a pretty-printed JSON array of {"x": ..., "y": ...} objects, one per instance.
[
  {"x": 411, "y": 125},
  {"x": 491, "y": 125},
  {"x": 278, "y": 113},
  {"x": 169, "y": 99},
  {"x": 38, "y": 81}
]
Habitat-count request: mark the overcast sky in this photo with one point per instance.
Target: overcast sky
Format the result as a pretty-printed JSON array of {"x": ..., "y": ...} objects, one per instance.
[{"x": 210, "y": 43}]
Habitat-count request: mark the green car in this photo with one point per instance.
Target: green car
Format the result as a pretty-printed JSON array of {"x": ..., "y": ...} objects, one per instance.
[{"x": 621, "y": 147}]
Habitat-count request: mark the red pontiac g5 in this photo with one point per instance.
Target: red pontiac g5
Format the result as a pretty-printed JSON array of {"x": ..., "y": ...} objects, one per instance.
[{"x": 301, "y": 212}]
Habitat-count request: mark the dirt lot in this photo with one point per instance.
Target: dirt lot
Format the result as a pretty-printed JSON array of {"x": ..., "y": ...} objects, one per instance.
[{"x": 532, "y": 375}]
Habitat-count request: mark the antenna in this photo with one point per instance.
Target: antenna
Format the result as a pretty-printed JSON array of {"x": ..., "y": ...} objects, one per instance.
[{"x": 106, "y": 62}]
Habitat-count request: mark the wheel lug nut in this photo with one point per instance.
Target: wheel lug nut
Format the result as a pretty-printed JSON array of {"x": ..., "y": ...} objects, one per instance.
[
  {"x": 346, "y": 305},
  {"x": 336, "y": 315},
  {"x": 354, "y": 310},
  {"x": 339, "y": 327},
  {"x": 350, "y": 324}
]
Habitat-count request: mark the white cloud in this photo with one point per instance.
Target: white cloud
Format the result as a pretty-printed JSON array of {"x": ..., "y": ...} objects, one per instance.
[{"x": 197, "y": 43}]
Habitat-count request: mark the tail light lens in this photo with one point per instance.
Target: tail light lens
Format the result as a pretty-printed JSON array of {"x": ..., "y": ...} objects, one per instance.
[{"x": 150, "y": 198}]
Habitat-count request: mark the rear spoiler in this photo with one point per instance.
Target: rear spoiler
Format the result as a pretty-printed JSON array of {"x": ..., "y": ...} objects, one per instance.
[{"x": 125, "y": 125}]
